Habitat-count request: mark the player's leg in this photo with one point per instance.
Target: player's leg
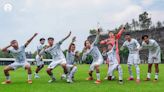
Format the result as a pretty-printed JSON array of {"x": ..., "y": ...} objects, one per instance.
[
  {"x": 156, "y": 71},
  {"x": 7, "y": 75},
  {"x": 92, "y": 67},
  {"x": 120, "y": 72},
  {"x": 28, "y": 68},
  {"x": 130, "y": 62},
  {"x": 97, "y": 74},
  {"x": 137, "y": 73},
  {"x": 38, "y": 70},
  {"x": 149, "y": 72},
  {"x": 51, "y": 66},
  {"x": 73, "y": 69},
  {"x": 130, "y": 72}
]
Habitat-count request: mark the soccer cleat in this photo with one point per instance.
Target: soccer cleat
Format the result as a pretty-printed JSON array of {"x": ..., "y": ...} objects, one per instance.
[
  {"x": 36, "y": 76},
  {"x": 29, "y": 81},
  {"x": 97, "y": 81},
  {"x": 52, "y": 80},
  {"x": 155, "y": 80},
  {"x": 138, "y": 81},
  {"x": 90, "y": 78},
  {"x": 69, "y": 80},
  {"x": 120, "y": 82},
  {"x": 6, "y": 82},
  {"x": 130, "y": 79},
  {"x": 106, "y": 78},
  {"x": 63, "y": 77},
  {"x": 147, "y": 79}
]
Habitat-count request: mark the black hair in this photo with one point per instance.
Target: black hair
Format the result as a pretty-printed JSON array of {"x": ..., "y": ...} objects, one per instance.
[
  {"x": 127, "y": 34},
  {"x": 145, "y": 36},
  {"x": 42, "y": 39},
  {"x": 50, "y": 38}
]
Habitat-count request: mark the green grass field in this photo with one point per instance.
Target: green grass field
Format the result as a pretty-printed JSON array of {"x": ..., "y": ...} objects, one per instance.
[{"x": 81, "y": 85}]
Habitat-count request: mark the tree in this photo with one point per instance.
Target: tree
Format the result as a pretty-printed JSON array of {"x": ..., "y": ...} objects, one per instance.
[
  {"x": 127, "y": 26},
  {"x": 145, "y": 21},
  {"x": 92, "y": 31},
  {"x": 159, "y": 24}
]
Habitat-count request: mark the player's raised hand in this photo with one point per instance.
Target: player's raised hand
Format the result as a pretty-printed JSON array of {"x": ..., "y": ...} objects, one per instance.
[{"x": 74, "y": 39}]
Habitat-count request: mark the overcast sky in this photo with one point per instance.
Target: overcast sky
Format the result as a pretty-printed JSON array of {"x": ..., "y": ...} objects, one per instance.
[{"x": 56, "y": 18}]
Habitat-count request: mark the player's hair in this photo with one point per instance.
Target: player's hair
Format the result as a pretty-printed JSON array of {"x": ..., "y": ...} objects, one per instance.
[
  {"x": 72, "y": 44},
  {"x": 50, "y": 38},
  {"x": 13, "y": 41},
  {"x": 86, "y": 42},
  {"x": 127, "y": 34},
  {"x": 145, "y": 36},
  {"x": 41, "y": 39},
  {"x": 111, "y": 44}
]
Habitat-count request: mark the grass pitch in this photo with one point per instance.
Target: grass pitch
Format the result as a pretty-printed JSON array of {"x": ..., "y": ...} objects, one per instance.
[{"x": 19, "y": 84}]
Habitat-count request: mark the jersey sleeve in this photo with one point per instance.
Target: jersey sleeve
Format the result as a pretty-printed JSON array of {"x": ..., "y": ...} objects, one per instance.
[
  {"x": 96, "y": 40},
  {"x": 137, "y": 44}
]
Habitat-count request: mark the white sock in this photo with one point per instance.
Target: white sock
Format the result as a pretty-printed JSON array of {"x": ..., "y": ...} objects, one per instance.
[
  {"x": 137, "y": 71},
  {"x": 120, "y": 72},
  {"x": 29, "y": 76},
  {"x": 130, "y": 71},
  {"x": 7, "y": 77},
  {"x": 73, "y": 71},
  {"x": 98, "y": 76},
  {"x": 156, "y": 75},
  {"x": 149, "y": 75},
  {"x": 52, "y": 76}
]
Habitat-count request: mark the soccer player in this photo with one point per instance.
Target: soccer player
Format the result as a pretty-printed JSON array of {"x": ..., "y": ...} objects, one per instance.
[
  {"x": 111, "y": 40},
  {"x": 154, "y": 55},
  {"x": 20, "y": 59},
  {"x": 57, "y": 56},
  {"x": 39, "y": 59},
  {"x": 113, "y": 63},
  {"x": 92, "y": 49},
  {"x": 133, "y": 58},
  {"x": 70, "y": 58}
]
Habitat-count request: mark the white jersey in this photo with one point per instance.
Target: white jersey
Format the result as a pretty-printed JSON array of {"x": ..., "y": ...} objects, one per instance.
[
  {"x": 93, "y": 51},
  {"x": 133, "y": 46},
  {"x": 152, "y": 46},
  {"x": 70, "y": 57},
  {"x": 55, "y": 51},
  {"x": 112, "y": 56},
  {"x": 19, "y": 54},
  {"x": 39, "y": 48}
]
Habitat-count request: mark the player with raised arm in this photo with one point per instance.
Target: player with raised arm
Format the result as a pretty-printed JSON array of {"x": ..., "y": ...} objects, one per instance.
[
  {"x": 113, "y": 63},
  {"x": 20, "y": 59},
  {"x": 57, "y": 56},
  {"x": 39, "y": 59},
  {"x": 92, "y": 49},
  {"x": 133, "y": 58},
  {"x": 70, "y": 58}
]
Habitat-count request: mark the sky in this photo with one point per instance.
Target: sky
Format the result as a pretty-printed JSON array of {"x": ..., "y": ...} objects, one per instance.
[{"x": 55, "y": 18}]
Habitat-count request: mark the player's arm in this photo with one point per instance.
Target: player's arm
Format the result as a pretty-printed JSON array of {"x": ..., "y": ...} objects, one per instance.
[
  {"x": 29, "y": 41},
  {"x": 60, "y": 42},
  {"x": 6, "y": 48},
  {"x": 118, "y": 35},
  {"x": 123, "y": 46},
  {"x": 97, "y": 38},
  {"x": 84, "y": 56},
  {"x": 138, "y": 45},
  {"x": 43, "y": 51}
]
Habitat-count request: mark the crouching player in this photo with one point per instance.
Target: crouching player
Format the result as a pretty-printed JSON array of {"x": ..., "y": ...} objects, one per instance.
[
  {"x": 133, "y": 58},
  {"x": 39, "y": 59},
  {"x": 154, "y": 55},
  {"x": 20, "y": 59},
  {"x": 57, "y": 56},
  {"x": 92, "y": 49},
  {"x": 70, "y": 58},
  {"x": 113, "y": 63}
]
